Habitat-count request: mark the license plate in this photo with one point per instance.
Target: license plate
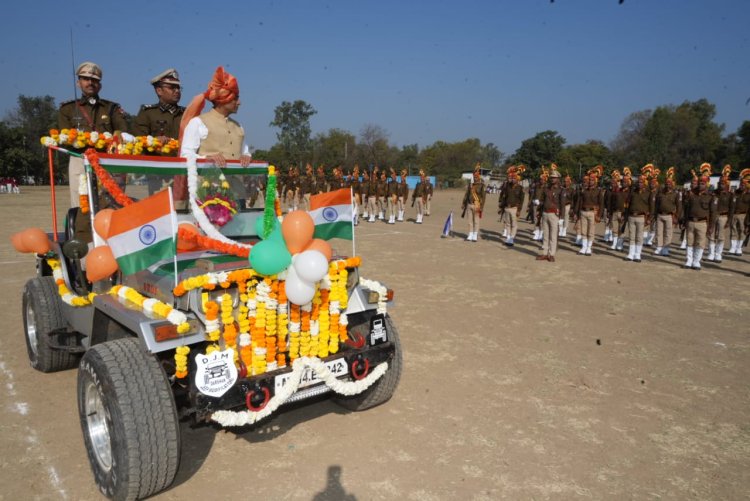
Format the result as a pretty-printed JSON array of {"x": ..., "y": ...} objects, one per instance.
[{"x": 337, "y": 367}]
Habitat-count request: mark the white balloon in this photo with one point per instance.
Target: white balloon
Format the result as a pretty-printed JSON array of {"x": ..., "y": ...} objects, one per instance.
[
  {"x": 311, "y": 265},
  {"x": 298, "y": 291}
]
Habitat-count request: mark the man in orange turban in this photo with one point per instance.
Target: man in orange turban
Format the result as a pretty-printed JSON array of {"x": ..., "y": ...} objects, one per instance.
[{"x": 213, "y": 134}]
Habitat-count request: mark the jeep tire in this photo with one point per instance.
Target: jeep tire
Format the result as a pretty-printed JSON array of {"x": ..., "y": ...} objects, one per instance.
[
  {"x": 129, "y": 420},
  {"x": 42, "y": 317},
  {"x": 382, "y": 390}
]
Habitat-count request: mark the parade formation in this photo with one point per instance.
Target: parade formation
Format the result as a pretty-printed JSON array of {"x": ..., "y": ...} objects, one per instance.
[{"x": 646, "y": 211}]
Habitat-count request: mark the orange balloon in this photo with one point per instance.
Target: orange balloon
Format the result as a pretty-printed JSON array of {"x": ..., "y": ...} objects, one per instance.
[
  {"x": 100, "y": 263},
  {"x": 17, "y": 241},
  {"x": 101, "y": 222},
  {"x": 321, "y": 246},
  {"x": 297, "y": 229},
  {"x": 186, "y": 245},
  {"x": 35, "y": 240}
]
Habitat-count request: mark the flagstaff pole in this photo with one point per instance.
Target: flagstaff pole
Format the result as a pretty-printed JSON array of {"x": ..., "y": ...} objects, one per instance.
[
  {"x": 173, "y": 218},
  {"x": 351, "y": 198},
  {"x": 52, "y": 192}
]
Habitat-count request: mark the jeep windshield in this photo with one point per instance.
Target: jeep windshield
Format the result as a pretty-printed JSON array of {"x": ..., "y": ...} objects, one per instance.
[{"x": 230, "y": 198}]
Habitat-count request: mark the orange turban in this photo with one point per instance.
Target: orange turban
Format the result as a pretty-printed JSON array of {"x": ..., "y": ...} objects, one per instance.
[{"x": 222, "y": 89}]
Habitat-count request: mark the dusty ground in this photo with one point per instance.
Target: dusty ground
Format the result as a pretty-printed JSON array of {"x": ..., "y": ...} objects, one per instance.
[{"x": 585, "y": 378}]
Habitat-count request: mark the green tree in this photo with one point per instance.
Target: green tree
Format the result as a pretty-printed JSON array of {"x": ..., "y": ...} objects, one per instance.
[
  {"x": 408, "y": 158},
  {"x": 373, "y": 146},
  {"x": 293, "y": 120},
  {"x": 449, "y": 160},
  {"x": 576, "y": 159},
  {"x": 542, "y": 149},
  {"x": 32, "y": 118},
  {"x": 491, "y": 156},
  {"x": 743, "y": 138},
  {"x": 628, "y": 144},
  {"x": 335, "y": 148}
]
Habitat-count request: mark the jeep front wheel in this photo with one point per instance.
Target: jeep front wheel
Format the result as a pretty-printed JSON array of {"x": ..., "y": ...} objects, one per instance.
[
  {"x": 129, "y": 420},
  {"x": 382, "y": 390}
]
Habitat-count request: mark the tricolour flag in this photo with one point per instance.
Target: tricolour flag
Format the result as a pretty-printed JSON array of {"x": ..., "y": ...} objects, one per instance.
[
  {"x": 332, "y": 214},
  {"x": 142, "y": 233}
]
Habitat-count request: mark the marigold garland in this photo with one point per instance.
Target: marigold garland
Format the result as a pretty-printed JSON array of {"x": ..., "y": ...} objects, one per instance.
[
  {"x": 83, "y": 194},
  {"x": 65, "y": 294},
  {"x": 78, "y": 139},
  {"x": 180, "y": 361},
  {"x": 213, "y": 244},
  {"x": 151, "y": 305},
  {"x": 106, "y": 180}
]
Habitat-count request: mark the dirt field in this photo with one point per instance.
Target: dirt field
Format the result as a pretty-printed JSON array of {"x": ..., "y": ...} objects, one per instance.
[{"x": 589, "y": 377}]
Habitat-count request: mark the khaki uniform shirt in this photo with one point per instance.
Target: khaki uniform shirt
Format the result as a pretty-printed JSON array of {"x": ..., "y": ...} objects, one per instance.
[
  {"x": 85, "y": 116},
  {"x": 158, "y": 120}
]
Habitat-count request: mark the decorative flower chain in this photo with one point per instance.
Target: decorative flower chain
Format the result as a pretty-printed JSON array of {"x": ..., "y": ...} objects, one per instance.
[
  {"x": 180, "y": 361},
  {"x": 83, "y": 193},
  {"x": 78, "y": 139},
  {"x": 106, "y": 179},
  {"x": 65, "y": 294},
  {"x": 150, "y": 144},
  {"x": 348, "y": 388},
  {"x": 377, "y": 287},
  {"x": 198, "y": 214},
  {"x": 151, "y": 305}
]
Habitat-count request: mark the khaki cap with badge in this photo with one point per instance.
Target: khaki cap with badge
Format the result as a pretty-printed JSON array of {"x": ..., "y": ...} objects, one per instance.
[
  {"x": 169, "y": 76},
  {"x": 89, "y": 70}
]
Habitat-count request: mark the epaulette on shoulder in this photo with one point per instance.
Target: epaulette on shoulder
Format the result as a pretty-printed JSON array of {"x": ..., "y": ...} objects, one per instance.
[
  {"x": 149, "y": 106},
  {"x": 67, "y": 102}
]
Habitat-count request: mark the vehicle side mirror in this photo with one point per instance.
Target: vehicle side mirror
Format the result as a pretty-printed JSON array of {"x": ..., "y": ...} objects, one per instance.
[{"x": 75, "y": 249}]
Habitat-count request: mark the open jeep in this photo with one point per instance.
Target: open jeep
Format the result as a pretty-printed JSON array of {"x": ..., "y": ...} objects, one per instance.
[{"x": 199, "y": 336}]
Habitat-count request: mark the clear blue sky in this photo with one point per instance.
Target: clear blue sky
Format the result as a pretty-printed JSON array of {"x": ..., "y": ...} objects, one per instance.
[{"x": 497, "y": 70}]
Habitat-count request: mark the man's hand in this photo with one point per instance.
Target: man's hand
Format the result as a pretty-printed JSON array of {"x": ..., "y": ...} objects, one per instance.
[
  {"x": 218, "y": 160},
  {"x": 245, "y": 160}
]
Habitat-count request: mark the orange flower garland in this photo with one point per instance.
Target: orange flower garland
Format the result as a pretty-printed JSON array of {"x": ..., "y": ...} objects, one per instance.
[
  {"x": 106, "y": 180},
  {"x": 212, "y": 244}
]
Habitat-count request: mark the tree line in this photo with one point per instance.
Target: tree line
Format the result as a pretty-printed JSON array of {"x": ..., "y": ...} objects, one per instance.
[{"x": 683, "y": 136}]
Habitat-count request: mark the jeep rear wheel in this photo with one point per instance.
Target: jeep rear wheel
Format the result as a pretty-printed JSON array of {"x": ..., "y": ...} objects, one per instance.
[
  {"x": 382, "y": 390},
  {"x": 42, "y": 316},
  {"x": 129, "y": 420}
]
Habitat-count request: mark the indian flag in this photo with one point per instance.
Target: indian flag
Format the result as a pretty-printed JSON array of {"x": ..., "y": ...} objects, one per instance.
[
  {"x": 332, "y": 214},
  {"x": 143, "y": 233}
]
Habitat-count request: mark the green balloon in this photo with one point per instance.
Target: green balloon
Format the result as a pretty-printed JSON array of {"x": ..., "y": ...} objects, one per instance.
[{"x": 270, "y": 257}]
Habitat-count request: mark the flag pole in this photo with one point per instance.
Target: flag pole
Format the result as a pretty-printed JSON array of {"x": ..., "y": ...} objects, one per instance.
[
  {"x": 351, "y": 202},
  {"x": 173, "y": 218}
]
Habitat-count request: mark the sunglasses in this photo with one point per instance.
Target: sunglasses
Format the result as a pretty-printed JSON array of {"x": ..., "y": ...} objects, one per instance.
[{"x": 172, "y": 87}]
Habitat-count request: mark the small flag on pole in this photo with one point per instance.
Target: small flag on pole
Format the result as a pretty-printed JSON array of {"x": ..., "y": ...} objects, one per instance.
[
  {"x": 142, "y": 233},
  {"x": 448, "y": 227},
  {"x": 332, "y": 214}
]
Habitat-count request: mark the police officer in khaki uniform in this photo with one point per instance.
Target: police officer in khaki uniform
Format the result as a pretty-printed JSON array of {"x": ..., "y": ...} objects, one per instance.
[
  {"x": 740, "y": 207},
  {"x": 474, "y": 202},
  {"x": 700, "y": 211},
  {"x": 510, "y": 203},
  {"x": 419, "y": 195},
  {"x": 588, "y": 211},
  {"x": 552, "y": 201},
  {"x": 638, "y": 214},
  {"x": 403, "y": 195},
  {"x": 668, "y": 205},
  {"x": 161, "y": 120},
  {"x": 718, "y": 231},
  {"x": 87, "y": 114}
]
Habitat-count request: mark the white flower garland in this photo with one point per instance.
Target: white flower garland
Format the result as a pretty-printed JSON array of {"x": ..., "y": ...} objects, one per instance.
[
  {"x": 83, "y": 185},
  {"x": 379, "y": 288},
  {"x": 198, "y": 213},
  {"x": 347, "y": 388}
]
